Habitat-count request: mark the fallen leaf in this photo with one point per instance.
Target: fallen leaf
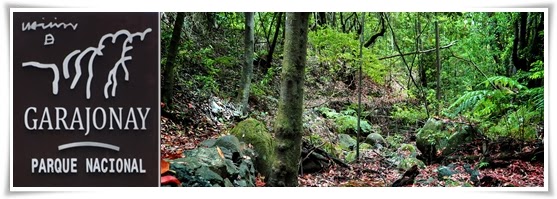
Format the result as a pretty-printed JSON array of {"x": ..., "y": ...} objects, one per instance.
[
  {"x": 165, "y": 166},
  {"x": 220, "y": 152},
  {"x": 169, "y": 180},
  {"x": 259, "y": 181}
]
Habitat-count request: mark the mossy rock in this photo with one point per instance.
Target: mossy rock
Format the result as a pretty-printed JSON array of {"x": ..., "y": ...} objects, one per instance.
[
  {"x": 254, "y": 132},
  {"x": 348, "y": 124},
  {"x": 462, "y": 136},
  {"x": 430, "y": 138},
  {"x": 375, "y": 138},
  {"x": 346, "y": 142},
  {"x": 407, "y": 147},
  {"x": 364, "y": 146},
  {"x": 407, "y": 163}
]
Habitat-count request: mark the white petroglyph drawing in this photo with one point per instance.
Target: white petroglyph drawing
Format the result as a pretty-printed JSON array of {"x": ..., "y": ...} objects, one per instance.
[
  {"x": 94, "y": 52},
  {"x": 48, "y": 39},
  {"x": 51, "y": 66},
  {"x": 34, "y": 25}
]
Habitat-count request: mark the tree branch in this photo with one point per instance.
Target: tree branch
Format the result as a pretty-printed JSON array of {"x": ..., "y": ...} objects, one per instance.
[
  {"x": 380, "y": 33},
  {"x": 418, "y": 52}
]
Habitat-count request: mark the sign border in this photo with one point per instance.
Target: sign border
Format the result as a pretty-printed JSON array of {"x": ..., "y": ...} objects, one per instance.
[{"x": 27, "y": 189}]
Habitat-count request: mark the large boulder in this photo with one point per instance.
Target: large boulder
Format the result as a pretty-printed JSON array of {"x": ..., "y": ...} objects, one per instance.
[
  {"x": 464, "y": 134},
  {"x": 437, "y": 136},
  {"x": 428, "y": 139},
  {"x": 346, "y": 142},
  {"x": 217, "y": 164},
  {"x": 254, "y": 132},
  {"x": 375, "y": 139},
  {"x": 230, "y": 146}
]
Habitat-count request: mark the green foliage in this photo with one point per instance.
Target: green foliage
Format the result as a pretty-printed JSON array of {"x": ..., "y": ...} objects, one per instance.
[
  {"x": 408, "y": 147},
  {"x": 346, "y": 121},
  {"x": 509, "y": 109},
  {"x": 349, "y": 124},
  {"x": 467, "y": 101},
  {"x": 519, "y": 124},
  {"x": 329, "y": 113},
  {"x": 535, "y": 97},
  {"x": 394, "y": 141},
  {"x": 490, "y": 101},
  {"x": 262, "y": 87},
  {"x": 503, "y": 82},
  {"x": 340, "y": 53},
  {"x": 408, "y": 114},
  {"x": 408, "y": 162},
  {"x": 350, "y": 157},
  {"x": 333, "y": 149},
  {"x": 537, "y": 70},
  {"x": 483, "y": 164}
]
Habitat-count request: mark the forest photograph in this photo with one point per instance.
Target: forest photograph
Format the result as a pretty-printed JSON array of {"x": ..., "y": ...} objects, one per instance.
[{"x": 352, "y": 99}]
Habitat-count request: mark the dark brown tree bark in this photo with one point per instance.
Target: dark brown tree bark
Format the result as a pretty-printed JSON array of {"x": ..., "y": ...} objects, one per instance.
[
  {"x": 170, "y": 67},
  {"x": 288, "y": 123}
]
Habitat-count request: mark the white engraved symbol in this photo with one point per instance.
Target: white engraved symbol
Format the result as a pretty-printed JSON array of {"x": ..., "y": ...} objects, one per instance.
[{"x": 95, "y": 51}]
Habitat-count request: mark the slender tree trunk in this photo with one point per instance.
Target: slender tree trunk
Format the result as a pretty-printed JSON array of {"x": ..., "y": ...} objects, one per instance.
[
  {"x": 170, "y": 67},
  {"x": 247, "y": 70},
  {"x": 438, "y": 61},
  {"x": 360, "y": 84},
  {"x": 288, "y": 123},
  {"x": 268, "y": 34},
  {"x": 342, "y": 24},
  {"x": 333, "y": 20},
  {"x": 274, "y": 42}
]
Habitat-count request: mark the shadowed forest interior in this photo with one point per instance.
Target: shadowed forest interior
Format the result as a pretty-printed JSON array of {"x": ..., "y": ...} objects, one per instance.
[{"x": 349, "y": 99}]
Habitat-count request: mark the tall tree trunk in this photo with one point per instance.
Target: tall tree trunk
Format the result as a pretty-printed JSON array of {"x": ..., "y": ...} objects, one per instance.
[
  {"x": 288, "y": 123},
  {"x": 536, "y": 47},
  {"x": 247, "y": 70},
  {"x": 274, "y": 42},
  {"x": 438, "y": 60},
  {"x": 520, "y": 43},
  {"x": 419, "y": 47},
  {"x": 322, "y": 18},
  {"x": 170, "y": 67}
]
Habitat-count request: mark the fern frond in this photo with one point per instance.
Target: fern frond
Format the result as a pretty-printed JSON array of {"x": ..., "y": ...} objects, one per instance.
[
  {"x": 536, "y": 97},
  {"x": 503, "y": 82},
  {"x": 468, "y": 101}
]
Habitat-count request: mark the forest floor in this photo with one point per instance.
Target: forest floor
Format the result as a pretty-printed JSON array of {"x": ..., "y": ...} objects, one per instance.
[{"x": 372, "y": 169}]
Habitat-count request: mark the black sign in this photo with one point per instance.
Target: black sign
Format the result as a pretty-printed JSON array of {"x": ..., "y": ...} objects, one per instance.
[{"x": 85, "y": 99}]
